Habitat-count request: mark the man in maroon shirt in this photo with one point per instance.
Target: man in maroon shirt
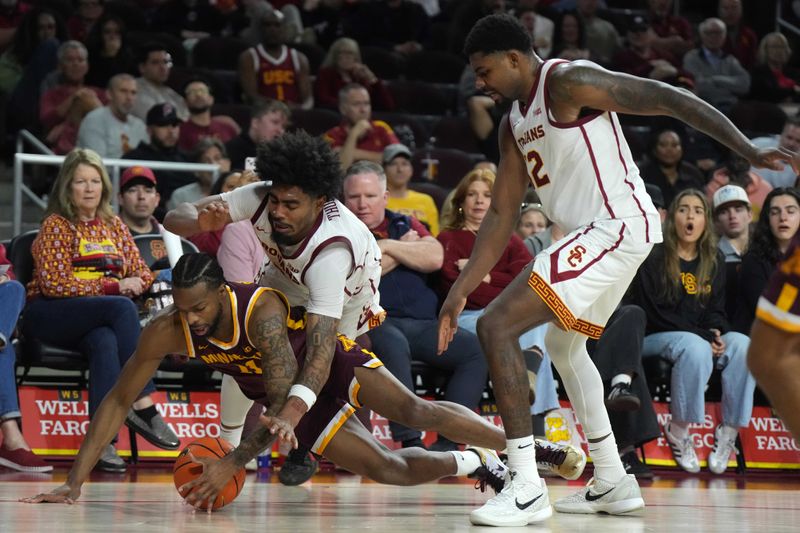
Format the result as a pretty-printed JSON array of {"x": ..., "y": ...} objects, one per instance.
[
  {"x": 358, "y": 136},
  {"x": 741, "y": 41},
  {"x": 673, "y": 34},
  {"x": 199, "y": 100}
]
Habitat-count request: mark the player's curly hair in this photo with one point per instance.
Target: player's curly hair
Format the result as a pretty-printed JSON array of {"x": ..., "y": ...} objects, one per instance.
[
  {"x": 497, "y": 33},
  {"x": 298, "y": 159}
]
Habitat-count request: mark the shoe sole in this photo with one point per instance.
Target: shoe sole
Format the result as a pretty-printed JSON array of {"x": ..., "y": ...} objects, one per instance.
[
  {"x": 625, "y": 404},
  {"x": 622, "y": 507},
  {"x": 154, "y": 442},
  {"x": 539, "y": 516},
  {"x": 20, "y": 468},
  {"x": 294, "y": 483},
  {"x": 578, "y": 464}
]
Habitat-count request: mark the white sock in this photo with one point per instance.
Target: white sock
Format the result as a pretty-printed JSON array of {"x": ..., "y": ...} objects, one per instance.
[
  {"x": 232, "y": 435},
  {"x": 621, "y": 378},
  {"x": 466, "y": 462},
  {"x": 522, "y": 457},
  {"x": 605, "y": 457},
  {"x": 678, "y": 429},
  {"x": 233, "y": 407}
]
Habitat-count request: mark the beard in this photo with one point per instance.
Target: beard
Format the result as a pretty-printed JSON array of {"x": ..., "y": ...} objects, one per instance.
[
  {"x": 212, "y": 328},
  {"x": 199, "y": 110}
]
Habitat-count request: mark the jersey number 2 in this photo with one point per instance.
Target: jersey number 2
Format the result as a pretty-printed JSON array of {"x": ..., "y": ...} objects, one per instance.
[{"x": 538, "y": 180}]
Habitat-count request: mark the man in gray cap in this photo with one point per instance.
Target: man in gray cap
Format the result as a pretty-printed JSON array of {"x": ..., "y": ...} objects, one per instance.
[{"x": 399, "y": 171}]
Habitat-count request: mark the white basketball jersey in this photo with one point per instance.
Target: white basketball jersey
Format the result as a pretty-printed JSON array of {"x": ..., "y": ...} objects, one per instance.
[
  {"x": 335, "y": 224},
  {"x": 583, "y": 171}
]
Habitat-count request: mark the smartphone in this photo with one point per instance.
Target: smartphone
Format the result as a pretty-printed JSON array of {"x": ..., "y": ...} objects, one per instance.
[
  {"x": 250, "y": 163},
  {"x": 4, "y": 269}
]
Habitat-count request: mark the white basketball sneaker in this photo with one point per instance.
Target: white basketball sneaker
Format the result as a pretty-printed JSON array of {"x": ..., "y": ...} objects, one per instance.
[
  {"x": 492, "y": 472},
  {"x": 521, "y": 502},
  {"x": 600, "y": 496}
]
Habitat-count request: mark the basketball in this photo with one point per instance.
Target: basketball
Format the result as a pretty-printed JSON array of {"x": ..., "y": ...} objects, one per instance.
[{"x": 186, "y": 470}]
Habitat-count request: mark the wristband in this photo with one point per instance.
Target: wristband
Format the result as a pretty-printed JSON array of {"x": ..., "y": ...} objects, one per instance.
[{"x": 304, "y": 393}]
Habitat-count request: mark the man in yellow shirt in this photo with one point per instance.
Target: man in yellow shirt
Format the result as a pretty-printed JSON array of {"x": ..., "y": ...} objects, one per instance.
[{"x": 397, "y": 165}]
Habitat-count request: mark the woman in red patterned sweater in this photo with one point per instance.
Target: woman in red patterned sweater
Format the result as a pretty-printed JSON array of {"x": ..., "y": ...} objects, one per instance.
[
  {"x": 87, "y": 269},
  {"x": 461, "y": 217}
]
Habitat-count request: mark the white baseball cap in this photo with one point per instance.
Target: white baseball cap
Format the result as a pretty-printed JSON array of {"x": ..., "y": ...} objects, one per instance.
[{"x": 729, "y": 194}]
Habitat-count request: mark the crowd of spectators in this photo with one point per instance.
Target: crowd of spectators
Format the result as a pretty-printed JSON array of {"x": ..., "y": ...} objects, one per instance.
[{"x": 201, "y": 81}]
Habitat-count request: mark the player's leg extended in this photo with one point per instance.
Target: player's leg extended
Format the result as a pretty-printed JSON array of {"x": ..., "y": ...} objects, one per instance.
[
  {"x": 355, "y": 449},
  {"x": 384, "y": 394},
  {"x": 774, "y": 360}
]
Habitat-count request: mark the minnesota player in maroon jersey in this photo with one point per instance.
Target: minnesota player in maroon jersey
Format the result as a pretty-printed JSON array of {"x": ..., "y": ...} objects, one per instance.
[
  {"x": 774, "y": 355},
  {"x": 230, "y": 326}
]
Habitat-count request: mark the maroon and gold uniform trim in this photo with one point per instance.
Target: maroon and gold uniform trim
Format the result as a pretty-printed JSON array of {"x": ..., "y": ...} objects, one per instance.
[
  {"x": 333, "y": 426},
  {"x": 565, "y": 317}
]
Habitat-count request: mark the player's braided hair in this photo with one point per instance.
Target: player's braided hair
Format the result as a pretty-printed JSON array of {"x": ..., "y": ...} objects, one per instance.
[
  {"x": 193, "y": 268},
  {"x": 497, "y": 33}
]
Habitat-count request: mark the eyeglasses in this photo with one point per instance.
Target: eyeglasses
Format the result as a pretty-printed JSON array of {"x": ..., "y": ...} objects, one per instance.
[
  {"x": 197, "y": 90},
  {"x": 525, "y": 205}
]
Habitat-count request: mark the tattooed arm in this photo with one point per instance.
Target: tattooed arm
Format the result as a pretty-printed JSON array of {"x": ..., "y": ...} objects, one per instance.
[
  {"x": 320, "y": 346},
  {"x": 267, "y": 329},
  {"x": 583, "y": 84}
]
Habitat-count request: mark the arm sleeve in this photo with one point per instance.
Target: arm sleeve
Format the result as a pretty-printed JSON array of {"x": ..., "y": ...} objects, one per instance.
[
  {"x": 452, "y": 253},
  {"x": 325, "y": 279},
  {"x": 244, "y": 201},
  {"x": 52, "y": 256},
  {"x": 239, "y": 254}
]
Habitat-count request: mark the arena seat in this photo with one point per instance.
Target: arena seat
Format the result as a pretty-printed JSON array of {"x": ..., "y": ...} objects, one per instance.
[
  {"x": 218, "y": 52},
  {"x": 435, "y": 66},
  {"x": 147, "y": 244},
  {"x": 314, "y": 121},
  {"x": 33, "y": 352},
  {"x": 424, "y": 98},
  {"x": 455, "y": 132},
  {"x": 451, "y": 166},
  {"x": 384, "y": 64},
  {"x": 240, "y": 113}
]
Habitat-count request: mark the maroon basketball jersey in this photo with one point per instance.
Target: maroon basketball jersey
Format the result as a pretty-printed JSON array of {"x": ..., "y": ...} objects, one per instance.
[
  {"x": 277, "y": 76},
  {"x": 240, "y": 359}
]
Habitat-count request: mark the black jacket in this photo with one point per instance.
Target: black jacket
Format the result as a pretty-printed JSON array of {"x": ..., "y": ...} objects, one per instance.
[{"x": 689, "y": 312}]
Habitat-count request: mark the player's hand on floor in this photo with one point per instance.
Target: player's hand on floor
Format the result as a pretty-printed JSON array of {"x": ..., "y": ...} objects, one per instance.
[
  {"x": 206, "y": 488},
  {"x": 63, "y": 494},
  {"x": 281, "y": 428}
]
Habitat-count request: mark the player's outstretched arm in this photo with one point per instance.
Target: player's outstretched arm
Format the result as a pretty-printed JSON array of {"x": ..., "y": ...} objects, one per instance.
[
  {"x": 207, "y": 214},
  {"x": 583, "y": 84},
  {"x": 279, "y": 366},
  {"x": 160, "y": 337},
  {"x": 493, "y": 235}
]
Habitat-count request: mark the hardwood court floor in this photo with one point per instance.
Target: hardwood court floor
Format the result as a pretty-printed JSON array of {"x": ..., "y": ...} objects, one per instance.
[{"x": 145, "y": 501}]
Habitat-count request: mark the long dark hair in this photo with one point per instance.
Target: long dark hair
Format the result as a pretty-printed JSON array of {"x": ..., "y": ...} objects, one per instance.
[
  {"x": 763, "y": 244},
  {"x": 706, "y": 249},
  {"x": 26, "y": 39},
  {"x": 94, "y": 41}
]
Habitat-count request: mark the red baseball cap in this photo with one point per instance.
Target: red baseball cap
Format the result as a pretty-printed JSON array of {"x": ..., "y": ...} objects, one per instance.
[{"x": 135, "y": 175}]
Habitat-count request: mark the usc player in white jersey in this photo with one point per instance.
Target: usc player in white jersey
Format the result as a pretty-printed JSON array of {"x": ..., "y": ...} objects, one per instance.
[{"x": 563, "y": 136}]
